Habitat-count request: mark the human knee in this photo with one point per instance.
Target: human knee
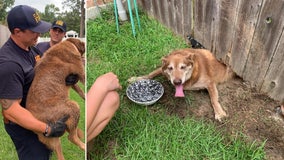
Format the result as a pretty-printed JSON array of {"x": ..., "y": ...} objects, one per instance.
[{"x": 113, "y": 98}]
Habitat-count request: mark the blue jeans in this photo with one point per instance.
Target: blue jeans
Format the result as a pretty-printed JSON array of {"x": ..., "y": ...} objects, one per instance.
[{"x": 27, "y": 144}]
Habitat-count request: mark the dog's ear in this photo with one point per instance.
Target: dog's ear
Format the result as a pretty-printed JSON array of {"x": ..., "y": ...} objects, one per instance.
[
  {"x": 80, "y": 45},
  {"x": 189, "y": 60},
  {"x": 191, "y": 57},
  {"x": 165, "y": 62}
]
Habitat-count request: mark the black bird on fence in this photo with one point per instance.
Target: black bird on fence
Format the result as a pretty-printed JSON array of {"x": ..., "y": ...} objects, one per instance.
[{"x": 194, "y": 43}]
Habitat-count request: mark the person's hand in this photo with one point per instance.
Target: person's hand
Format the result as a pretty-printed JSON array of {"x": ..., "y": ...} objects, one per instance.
[
  {"x": 58, "y": 128},
  {"x": 108, "y": 81},
  {"x": 71, "y": 79}
]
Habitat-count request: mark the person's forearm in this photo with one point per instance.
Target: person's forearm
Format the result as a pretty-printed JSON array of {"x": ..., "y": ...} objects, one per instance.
[{"x": 24, "y": 118}]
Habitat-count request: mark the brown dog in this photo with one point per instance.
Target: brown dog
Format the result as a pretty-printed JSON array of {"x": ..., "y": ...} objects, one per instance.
[
  {"x": 194, "y": 69},
  {"x": 48, "y": 97}
]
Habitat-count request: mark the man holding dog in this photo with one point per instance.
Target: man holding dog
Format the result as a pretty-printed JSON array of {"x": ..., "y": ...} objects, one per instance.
[
  {"x": 57, "y": 32},
  {"x": 17, "y": 61}
]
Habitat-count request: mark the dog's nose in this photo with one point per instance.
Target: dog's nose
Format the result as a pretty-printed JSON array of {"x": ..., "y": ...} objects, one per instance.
[{"x": 177, "y": 81}]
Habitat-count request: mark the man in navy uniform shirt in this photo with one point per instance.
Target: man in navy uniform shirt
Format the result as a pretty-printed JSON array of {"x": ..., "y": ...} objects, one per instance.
[
  {"x": 57, "y": 32},
  {"x": 17, "y": 61}
]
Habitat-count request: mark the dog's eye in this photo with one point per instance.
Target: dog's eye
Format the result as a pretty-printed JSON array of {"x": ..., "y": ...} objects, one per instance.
[
  {"x": 170, "y": 68},
  {"x": 182, "y": 67}
]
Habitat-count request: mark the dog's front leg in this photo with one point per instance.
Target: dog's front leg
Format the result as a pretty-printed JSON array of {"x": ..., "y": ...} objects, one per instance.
[
  {"x": 77, "y": 88},
  {"x": 213, "y": 93},
  {"x": 149, "y": 76}
]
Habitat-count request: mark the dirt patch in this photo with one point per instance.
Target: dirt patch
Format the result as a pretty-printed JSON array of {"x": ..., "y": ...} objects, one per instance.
[{"x": 250, "y": 112}]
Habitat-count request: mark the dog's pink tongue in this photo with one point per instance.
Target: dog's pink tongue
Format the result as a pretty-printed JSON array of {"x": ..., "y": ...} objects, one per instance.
[{"x": 179, "y": 91}]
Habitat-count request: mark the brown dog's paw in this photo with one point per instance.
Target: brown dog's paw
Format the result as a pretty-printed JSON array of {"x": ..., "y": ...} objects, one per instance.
[
  {"x": 220, "y": 116},
  {"x": 134, "y": 79}
]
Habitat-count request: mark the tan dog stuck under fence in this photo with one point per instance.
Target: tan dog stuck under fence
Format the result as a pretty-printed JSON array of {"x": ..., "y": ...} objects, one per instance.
[
  {"x": 194, "y": 69},
  {"x": 48, "y": 98}
]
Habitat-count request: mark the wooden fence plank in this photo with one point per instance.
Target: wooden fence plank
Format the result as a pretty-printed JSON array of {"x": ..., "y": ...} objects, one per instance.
[
  {"x": 246, "y": 34},
  {"x": 225, "y": 30},
  {"x": 171, "y": 11},
  {"x": 178, "y": 16},
  {"x": 204, "y": 19},
  {"x": 266, "y": 37},
  {"x": 4, "y": 34},
  {"x": 187, "y": 18},
  {"x": 244, "y": 29},
  {"x": 146, "y": 4},
  {"x": 165, "y": 13},
  {"x": 156, "y": 9},
  {"x": 274, "y": 80},
  {"x": 199, "y": 21}
]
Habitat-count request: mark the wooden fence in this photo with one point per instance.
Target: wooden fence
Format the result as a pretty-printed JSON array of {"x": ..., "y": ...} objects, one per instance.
[
  {"x": 245, "y": 34},
  {"x": 4, "y": 34}
]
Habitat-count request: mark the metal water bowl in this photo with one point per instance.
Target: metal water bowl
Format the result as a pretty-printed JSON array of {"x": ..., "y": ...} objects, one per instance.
[{"x": 145, "y": 92}]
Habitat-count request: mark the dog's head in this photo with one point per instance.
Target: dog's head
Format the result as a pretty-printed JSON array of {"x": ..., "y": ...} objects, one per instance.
[
  {"x": 178, "y": 66},
  {"x": 80, "y": 45}
]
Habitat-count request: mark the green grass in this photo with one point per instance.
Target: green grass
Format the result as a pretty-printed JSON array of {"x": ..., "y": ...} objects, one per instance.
[
  {"x": 70, "y": 151},
  {"x": 139, "y": 132}
]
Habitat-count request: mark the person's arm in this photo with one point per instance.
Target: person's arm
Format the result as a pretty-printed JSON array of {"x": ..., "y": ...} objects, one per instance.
[{"x": 13, "y": 111}]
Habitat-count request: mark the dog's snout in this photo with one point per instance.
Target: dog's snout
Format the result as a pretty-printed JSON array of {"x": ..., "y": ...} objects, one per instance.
[{"x": 177, "y": 82}]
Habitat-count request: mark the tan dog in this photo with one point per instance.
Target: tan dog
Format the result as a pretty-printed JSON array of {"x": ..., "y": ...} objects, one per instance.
[
  {"x": 193, "y": 69},
  {"x": 48, "y": 97}
]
